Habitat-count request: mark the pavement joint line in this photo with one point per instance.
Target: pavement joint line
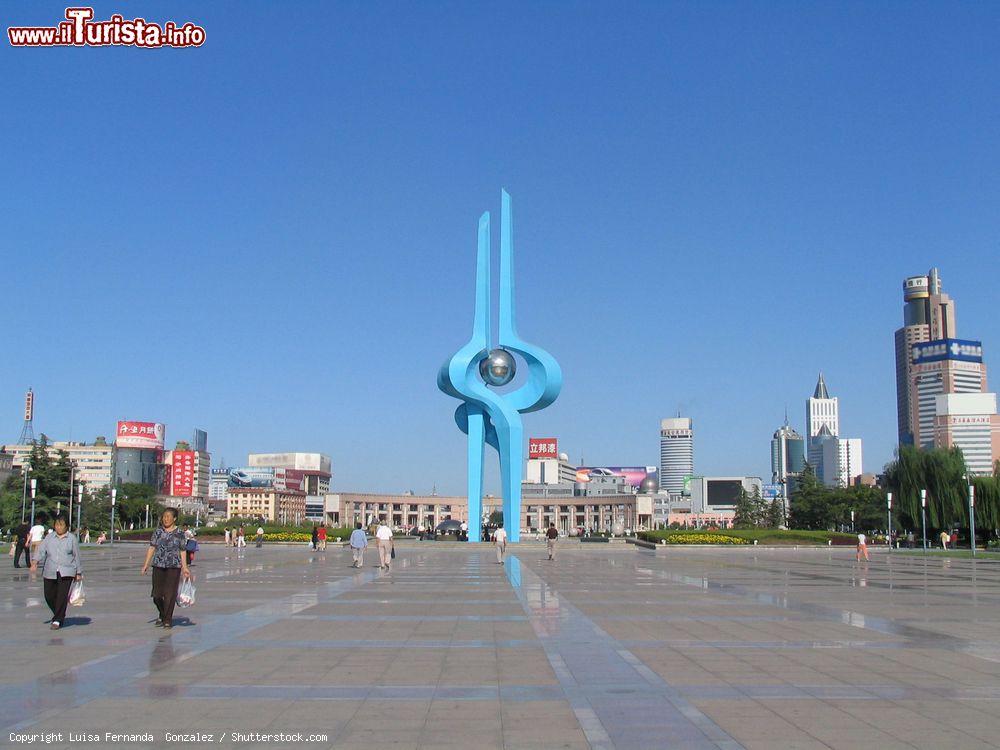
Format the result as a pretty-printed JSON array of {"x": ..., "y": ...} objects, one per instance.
[
  {"x": 831, "y": 614},
  {"x": 556, "y": 625},
  {"x": 88, "y": 681}
]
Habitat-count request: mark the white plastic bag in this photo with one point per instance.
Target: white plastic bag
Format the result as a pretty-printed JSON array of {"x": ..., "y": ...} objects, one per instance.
[
  {"x": 76, "y": 594},
  {"x": 185, "y": 594}
]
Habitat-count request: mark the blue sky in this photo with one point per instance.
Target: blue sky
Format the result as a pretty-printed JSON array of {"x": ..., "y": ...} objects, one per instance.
[{"x": 272, "y": 236}]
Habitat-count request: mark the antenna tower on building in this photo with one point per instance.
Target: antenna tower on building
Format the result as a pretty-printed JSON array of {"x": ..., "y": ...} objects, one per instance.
[{"x": 28, "y": 430}]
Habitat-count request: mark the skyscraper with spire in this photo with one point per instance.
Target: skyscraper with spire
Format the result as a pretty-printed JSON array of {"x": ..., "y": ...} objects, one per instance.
[
  {"x": 788, "y": 453},
  {"x": 836, "y": 460},
  {"x": 822, "y": 410}
]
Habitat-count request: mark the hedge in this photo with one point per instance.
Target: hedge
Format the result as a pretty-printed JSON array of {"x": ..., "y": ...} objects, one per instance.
[{"x": 748, "y": 536}]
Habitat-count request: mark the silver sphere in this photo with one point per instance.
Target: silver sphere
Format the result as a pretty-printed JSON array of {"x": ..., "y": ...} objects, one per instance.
[
  {"x": 648, "y": 486},
  {"x": 498, "y": 368}
]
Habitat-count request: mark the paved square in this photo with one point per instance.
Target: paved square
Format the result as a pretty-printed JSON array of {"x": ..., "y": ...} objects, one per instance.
[{"x": 606, "y": 647}]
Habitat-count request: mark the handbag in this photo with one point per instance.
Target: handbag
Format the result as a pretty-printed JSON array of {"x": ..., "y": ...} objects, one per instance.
[
  {"x": 185, "y": 594},
  {"x": 77, "y": 595},
  {"x": 392, "y": 552}
]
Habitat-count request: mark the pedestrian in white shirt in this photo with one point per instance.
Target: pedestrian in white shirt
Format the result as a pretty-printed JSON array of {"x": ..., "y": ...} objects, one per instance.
[
  {"x": 383, "y": 537},
  {"x": 500, "y": 542},
  {"x": 35, "y": 537},
  {"x": 862, "y": 547}
]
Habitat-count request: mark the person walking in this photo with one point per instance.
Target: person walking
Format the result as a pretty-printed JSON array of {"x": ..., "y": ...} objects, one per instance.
[
  {"x": 314, "y": 542},
  {"x": 550, "y": 540},
  {"x": 35, "y": 536},
  {"x": 21, "y": 536},
  {"x": 260, "y": 537},
  {"x": 500, "y": 542},
  {"x": 321, "y": 537},
  {"x": 358, "y": 542},
  {"x": 383, "y": 538},
  {"x": 229, "y": 536},
  {"x": 59, "y": 557},
  {"x": 945, "y": 537},
  {"x": 86, "y": 535},
  {"x": 862, "y": 547},
  {"x": 167, "y": 554},
  {"x": 191, "y": 546}
]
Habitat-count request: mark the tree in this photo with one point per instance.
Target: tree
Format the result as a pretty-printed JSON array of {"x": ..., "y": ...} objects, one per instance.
[
  {"x": 745, "y": 516},
  {"x": 810, "y": 503},
  {"x": 776, "y": 513},
  {"x": 496, "y": 518}
]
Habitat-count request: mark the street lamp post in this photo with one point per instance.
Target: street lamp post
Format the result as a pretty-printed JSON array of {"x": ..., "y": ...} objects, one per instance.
[
  {"x": 972, "y": 516},
  {"x": 147, "y": 515},
  {"x": 24, "y": 493},
  {"x": 888, "y": 515},
  {"x": 923, "y": 516},
  {"x": 71, "y": 467},
  {"x": 34, "y": 485},
  {"x": 852, "y": 521},
  {"x": 114, "y": 496},
  {"x": 79, "y": 506}
]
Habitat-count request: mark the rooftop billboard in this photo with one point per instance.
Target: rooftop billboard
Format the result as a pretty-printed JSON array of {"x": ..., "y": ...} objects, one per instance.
[{"x": 148, "y": 435}]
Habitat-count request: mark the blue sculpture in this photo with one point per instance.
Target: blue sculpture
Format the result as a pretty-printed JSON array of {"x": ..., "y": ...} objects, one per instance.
[{"x": 485, "y": 415}]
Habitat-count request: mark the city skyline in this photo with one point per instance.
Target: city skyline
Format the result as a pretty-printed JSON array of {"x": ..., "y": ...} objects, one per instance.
[{"x": 711, "y": 219}]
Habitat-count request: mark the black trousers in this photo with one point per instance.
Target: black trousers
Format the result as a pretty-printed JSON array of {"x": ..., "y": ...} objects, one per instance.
[
  {"x": 57, "y": 595},
  {"x": 18, "y": 549},
  {"x": 165, "y": 582}
]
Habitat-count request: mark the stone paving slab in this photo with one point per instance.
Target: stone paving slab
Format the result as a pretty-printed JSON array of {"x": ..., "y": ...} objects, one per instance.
[{"x": 608, "y": 647}]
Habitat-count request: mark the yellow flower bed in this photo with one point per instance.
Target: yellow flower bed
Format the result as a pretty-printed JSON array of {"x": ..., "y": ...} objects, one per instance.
[
  {"x": 287, "y": 536},
  {"x": 703, "y": 539}
]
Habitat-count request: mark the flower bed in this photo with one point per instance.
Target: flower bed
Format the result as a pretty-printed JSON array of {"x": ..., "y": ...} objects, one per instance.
[{"x": 702, "y": 539}]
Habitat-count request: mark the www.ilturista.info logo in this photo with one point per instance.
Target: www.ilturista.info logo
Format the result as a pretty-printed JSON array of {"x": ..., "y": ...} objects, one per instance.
[{"x": 80, "y": 30}]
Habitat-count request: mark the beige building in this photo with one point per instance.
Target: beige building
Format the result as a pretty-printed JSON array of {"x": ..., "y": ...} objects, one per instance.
[
  {"x": 93, "y": 461},
  {"x": 567, "y": 511},
  {"x": 278, "y": 506},
  {"x": 402, "y": 511}
]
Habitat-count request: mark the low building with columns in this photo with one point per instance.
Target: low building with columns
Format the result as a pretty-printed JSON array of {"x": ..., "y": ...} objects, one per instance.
[{"x": 403, "y": 511}]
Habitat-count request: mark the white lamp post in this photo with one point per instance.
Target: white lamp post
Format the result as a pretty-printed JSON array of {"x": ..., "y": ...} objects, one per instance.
[
  {"x": 923, "y": 516},
  {"x": 888, "y": 513},
  {"x": 79, "y": 506},
  {"x": 114, "y": 497},
  {"x": 972, "y": 516},
  {"x": 147, "y": 515},
  {"x": 34, "y": 485}
]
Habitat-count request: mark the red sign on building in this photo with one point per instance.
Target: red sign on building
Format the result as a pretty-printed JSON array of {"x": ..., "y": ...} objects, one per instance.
[
  {"x": 182, "y": 474},
  {"x": 543, "y": 448}
]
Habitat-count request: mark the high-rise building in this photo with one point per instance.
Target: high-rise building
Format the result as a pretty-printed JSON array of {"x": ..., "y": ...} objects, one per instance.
[
  {"x": 969, "y": 421},
  {"x": 928, "y": 315},
  {"x": 788, "y": 453},
  {"x": 940, "y": 367},
  {"x": 676, "y": 453},
  {"x": 822, "y": 410},
  {"x": 841, "y": 462}
]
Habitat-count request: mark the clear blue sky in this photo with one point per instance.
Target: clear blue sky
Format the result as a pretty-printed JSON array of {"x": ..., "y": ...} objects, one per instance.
[{"x": 272, "y": 237}]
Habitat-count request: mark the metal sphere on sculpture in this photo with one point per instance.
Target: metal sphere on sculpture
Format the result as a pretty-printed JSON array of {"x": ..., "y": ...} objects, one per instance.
[
  {"x": 498, "y": 368},
  {"x": 648, "y": 486}
]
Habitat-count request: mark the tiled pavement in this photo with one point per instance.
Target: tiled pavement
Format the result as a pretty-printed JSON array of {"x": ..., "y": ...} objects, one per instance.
[{"x": 606, "y": 647}]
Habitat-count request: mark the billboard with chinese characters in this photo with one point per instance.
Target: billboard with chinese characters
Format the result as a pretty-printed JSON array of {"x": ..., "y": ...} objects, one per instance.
[
  {"x": 543, "y": 448},
  {"x": 182, "y": 473},
  {"x": 632, "y": 474},
  {"x": 960, "y": 350},
  {"x": 145, "y": 435}
]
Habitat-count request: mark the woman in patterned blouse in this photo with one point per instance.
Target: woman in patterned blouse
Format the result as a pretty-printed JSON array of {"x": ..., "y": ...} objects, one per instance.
[{"x": 166, "y": 552}]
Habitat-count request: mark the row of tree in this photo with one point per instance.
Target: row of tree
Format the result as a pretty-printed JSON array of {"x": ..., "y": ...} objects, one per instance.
[
  {"x": 52, "y": 493},
  {"x": 941, "y": 472}
]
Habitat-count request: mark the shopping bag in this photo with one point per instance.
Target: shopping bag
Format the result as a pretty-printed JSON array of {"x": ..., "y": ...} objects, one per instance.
[
  {"x": 185, "y": 594},
  {"x": 76, "y": 594},
  {"x": 393, "y": 552}
]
